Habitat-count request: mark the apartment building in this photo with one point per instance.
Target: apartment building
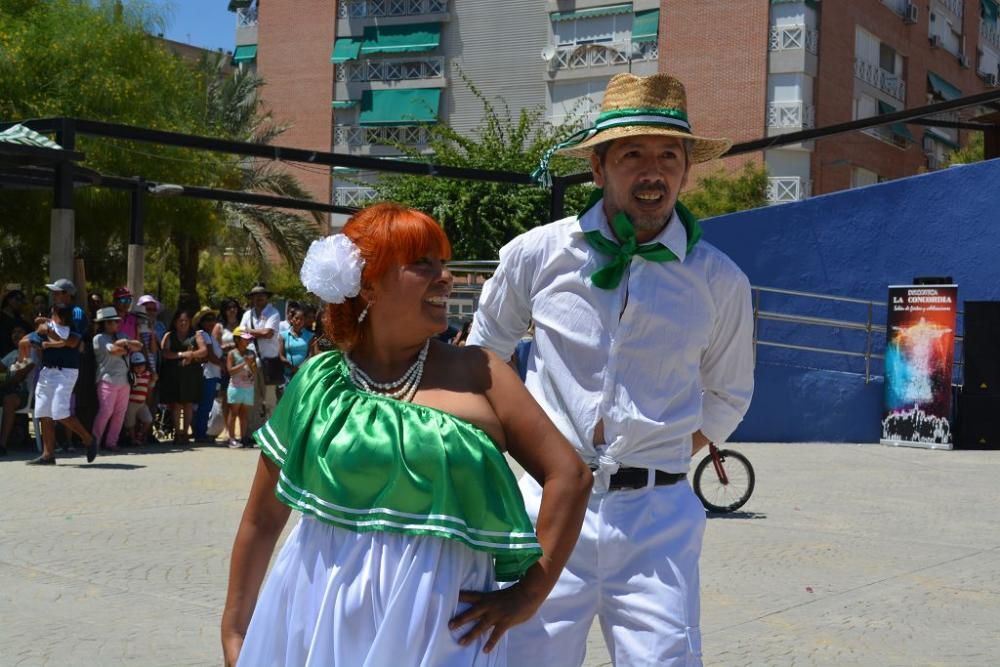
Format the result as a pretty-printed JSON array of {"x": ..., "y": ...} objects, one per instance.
[{"x": 360, "y": 76}]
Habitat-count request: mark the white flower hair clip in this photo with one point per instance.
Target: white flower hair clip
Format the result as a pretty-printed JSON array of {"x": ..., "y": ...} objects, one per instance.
[{"x": 332, "y": 269}]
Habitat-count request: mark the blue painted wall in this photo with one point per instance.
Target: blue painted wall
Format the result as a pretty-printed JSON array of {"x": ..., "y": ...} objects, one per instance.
[{"x": 854, "y": 243}]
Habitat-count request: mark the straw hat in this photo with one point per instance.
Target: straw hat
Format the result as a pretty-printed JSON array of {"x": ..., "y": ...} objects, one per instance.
[
  {"x": 641, "y": 105},
  {"x": 202, "y": 313},
  {"x": 260, "y": 288}
]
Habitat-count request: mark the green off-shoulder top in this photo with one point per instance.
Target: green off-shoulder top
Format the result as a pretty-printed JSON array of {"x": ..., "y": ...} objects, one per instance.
[{"x": 367, "y": 462}]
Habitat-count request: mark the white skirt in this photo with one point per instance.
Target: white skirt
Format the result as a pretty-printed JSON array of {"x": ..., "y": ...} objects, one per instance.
[{"x": 337, "y": 598}]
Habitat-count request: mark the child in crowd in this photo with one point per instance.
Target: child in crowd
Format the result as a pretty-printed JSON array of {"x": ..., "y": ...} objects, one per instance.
[
  {"x": 111, "y": 350},
  {"x": 138, "y": 418},
  {"x": 15, "y": 366},
  {"x": 242, "y": 366}
]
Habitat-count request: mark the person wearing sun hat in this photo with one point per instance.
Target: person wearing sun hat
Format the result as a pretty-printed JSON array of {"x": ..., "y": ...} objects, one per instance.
[
  {"x": 642, "y": 355},
  {"x": 262, "y": 320}
]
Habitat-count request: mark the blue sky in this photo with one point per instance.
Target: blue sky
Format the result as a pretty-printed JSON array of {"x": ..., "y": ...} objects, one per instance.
[{"x": 205, "y": 23}]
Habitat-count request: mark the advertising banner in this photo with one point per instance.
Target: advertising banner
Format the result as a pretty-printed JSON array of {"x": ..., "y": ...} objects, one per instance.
[{"x": 919, "y": 355}]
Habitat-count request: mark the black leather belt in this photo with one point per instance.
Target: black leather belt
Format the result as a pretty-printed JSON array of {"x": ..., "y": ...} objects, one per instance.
[{"x": 638, "y": 478}]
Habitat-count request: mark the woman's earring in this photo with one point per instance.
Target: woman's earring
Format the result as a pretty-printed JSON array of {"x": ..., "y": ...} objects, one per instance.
[{"x": 364, "y": 313}]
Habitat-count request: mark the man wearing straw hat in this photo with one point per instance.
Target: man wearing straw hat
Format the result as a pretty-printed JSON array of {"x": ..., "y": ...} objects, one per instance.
[{"x": 642, "y": 355}]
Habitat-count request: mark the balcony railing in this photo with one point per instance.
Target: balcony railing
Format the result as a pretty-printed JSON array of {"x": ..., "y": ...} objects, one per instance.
[
  {"x": 797, "y": 115},
  {"x": 884, "y": 80},
  {"x": 956, "y": 7},
  {"x": 603, "y": 54},
  {"x": 781, "y": 189},
  {"x": 356, "y": 135},
  {"x": 391, "y": 70},
  {"x": 788, "y": 37},
  {"x": 369, "y": 8},
  {"x": 356, "y": 196},
  {"x": 990, "y": 34},
  {"x": 246, "y": 17}
]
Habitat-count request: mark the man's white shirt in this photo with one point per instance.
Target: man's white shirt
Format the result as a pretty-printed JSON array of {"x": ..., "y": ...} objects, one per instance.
[
  {"x": 268, "y": 319},
  {"x": 666, "y": 353}
]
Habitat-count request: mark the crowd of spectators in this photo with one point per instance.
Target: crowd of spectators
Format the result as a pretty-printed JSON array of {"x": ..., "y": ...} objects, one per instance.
[{"x": 123, "y": 373}]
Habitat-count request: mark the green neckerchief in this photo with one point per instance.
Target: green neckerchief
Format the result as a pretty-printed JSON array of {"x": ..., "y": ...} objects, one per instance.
[{"x": 610, "y": 275}]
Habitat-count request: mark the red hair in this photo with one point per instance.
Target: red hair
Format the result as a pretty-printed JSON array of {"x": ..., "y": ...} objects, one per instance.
[{"x": 387, "y": 235}]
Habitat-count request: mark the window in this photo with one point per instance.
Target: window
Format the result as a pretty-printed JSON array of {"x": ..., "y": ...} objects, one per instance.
[
  {"x": 887, "y": 57},
  {"x": 865, "y": 107}
]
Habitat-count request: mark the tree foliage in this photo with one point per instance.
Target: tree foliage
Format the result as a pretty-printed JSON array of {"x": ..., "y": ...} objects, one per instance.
[
  {"x": 96, "y": 60},
  {"x": 974, "y": 151},
  {"x": 480, "y": 217},
  {"x": 720, "y": 192}
]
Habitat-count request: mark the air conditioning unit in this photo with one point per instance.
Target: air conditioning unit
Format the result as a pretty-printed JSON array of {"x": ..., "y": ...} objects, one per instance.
[
  {"x": 935, "y": 41},
  {"x": 963, "y": 60},
  {"x": 911, "y": 14}
]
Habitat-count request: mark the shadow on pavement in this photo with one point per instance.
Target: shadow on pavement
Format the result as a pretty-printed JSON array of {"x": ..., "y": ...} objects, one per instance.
[
  {"x": 105, "y": 466},
  {"x": 735, "y": 515}
]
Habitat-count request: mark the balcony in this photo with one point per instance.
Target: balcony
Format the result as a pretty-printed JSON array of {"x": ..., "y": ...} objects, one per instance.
[
  {"x": 879, "y": 78},
  {"x": 603, "y": 54},
  {"x": 391, "y": 70},
  {"x": 360, "y": 9},
  {"x": 356, "y": 136},
  {"x": 782, "y": 189},
  {"x": 956, "y": 7},
  {"x": 356, "y": 196},
  {"x": 790, "y": 37},
  {"x": 990, "y": 35},
  {"x": 790, "y": 115},
  {"x": 246, "y": 17}
]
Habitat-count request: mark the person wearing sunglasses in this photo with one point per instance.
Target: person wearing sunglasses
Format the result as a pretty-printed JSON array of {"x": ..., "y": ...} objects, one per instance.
[{"x": 129, "y": 325}]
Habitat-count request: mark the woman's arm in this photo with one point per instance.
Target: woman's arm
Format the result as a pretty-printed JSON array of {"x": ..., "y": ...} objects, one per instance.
[
  {"x": 263, "y": 520},
  {"x": 281, "y": 352},
  {"x": 200, "y": 353},
  {"x": 536, "y": 444},
  {"x": 165, "y": 346}
]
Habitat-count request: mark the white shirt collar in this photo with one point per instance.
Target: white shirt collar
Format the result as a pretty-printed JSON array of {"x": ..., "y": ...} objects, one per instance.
[{"x": 673, "y": 235}]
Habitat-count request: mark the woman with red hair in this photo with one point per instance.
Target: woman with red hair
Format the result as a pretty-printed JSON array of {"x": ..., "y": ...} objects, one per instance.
[{"x": 391, "y": 447}]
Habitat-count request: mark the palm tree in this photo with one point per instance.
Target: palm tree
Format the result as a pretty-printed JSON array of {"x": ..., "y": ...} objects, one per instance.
[{"x": 234, "y": 110}]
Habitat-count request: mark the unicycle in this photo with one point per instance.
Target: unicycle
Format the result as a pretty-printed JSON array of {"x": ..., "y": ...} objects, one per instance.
[{"x": 723, "y": 480}]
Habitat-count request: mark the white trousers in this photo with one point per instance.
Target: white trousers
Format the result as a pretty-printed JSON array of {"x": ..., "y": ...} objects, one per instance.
[
  {"x": 336, "y": 598},
  {"x": 635, "y": 566}
]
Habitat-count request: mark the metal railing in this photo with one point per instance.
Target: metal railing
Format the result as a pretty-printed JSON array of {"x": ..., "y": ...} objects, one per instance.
[
  {"x": 603, "y": 54},
  {"x": 783, "y": 189},
  {"x": 901, "y": 7},
  {"x": 884, "y": 80},
  {"x": 357, "y": 196},
  {"x": 371, "y": 8},
  {"x": 470, "y": 276},
  {"x": 392, "y": 70},
  {"x": 246, "y": 17},
  {"x": 797, "y": 114},
  {"x": 357, "y": 135},
  {"x": 956, "y": 7},
  {"x": 789, "y": 37},
  {"x": 990, "y": 34}
]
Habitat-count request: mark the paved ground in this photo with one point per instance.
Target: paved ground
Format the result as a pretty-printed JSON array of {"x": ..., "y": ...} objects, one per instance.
[{"x": 846, "y": 555}]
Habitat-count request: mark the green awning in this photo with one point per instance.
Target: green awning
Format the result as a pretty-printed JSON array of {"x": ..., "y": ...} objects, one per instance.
[
  {"x": 346, "y": 48},
  {"x": 990, "y": 10},
  {"x": 406, "y": 38},
  {"x": 941, "y": 87},
  {"x": 898, "y": 129},
  {"x": 942, "y": 139},
  {"x": 344, "y": 104},
  {"x": 245, "y": 53},
  {"x": 608, "y": 10},
  {"x": 646, "y": 26},
  {"x": 25, "y": 136},
  {"x": 238, "y": 4},
  {"x": 414, "y": 106}
]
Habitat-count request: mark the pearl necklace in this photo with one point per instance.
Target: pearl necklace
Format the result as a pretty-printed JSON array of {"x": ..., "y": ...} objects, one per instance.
[{"x": 403, "y": 389}]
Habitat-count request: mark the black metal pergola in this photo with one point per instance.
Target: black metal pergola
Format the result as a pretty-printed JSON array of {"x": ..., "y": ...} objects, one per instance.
[{"x": 27, "y": 167}]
